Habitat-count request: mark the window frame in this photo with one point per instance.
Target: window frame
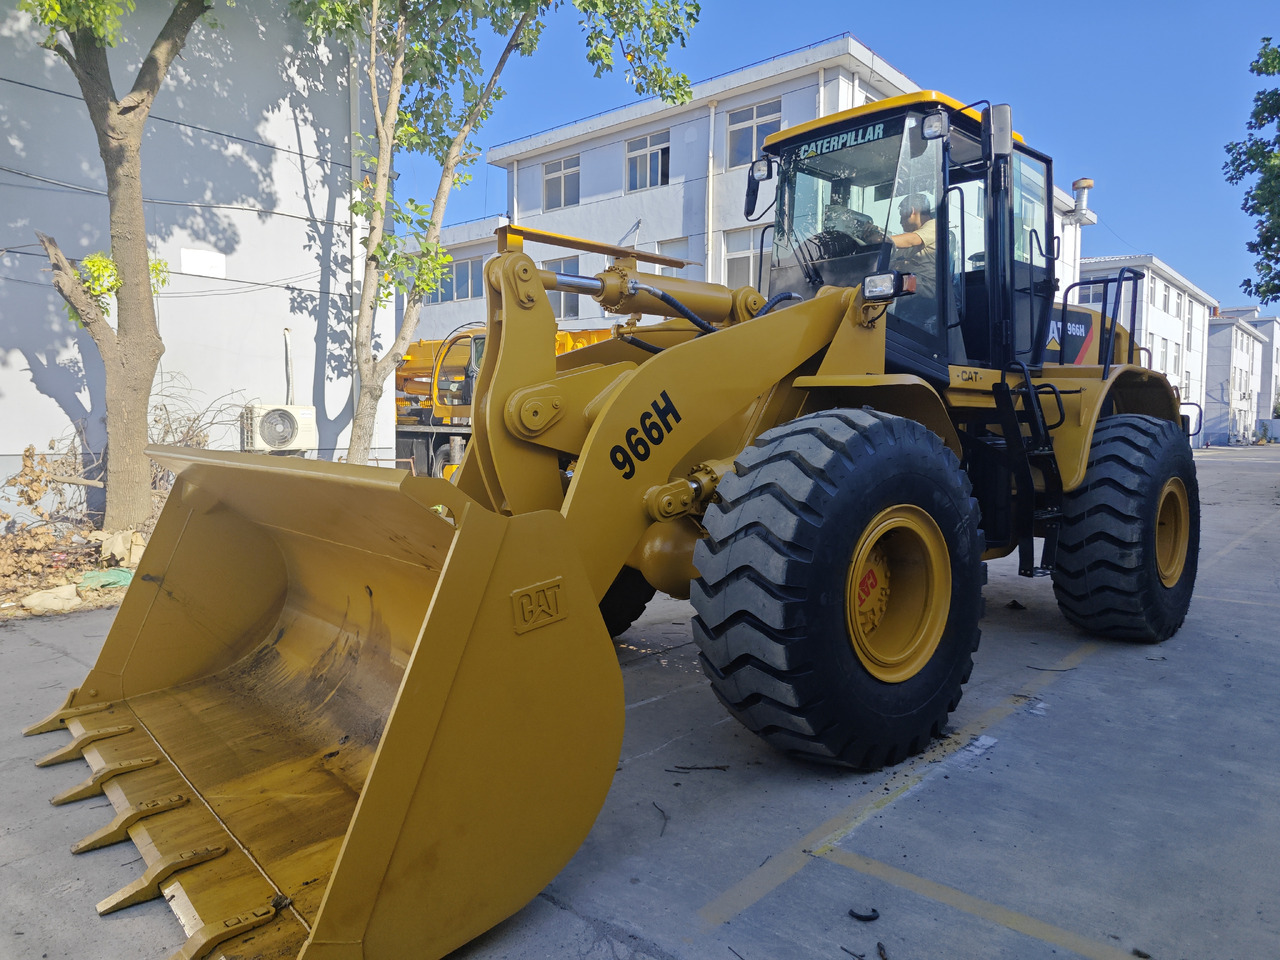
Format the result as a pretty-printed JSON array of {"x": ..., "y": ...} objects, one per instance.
[
  {"x": 646, "y": 153},
  {"x": 751, "y": 254},
  {"x": 754, "y": 123},
  {"x": 564, "y": 169},
  {"x": 560, "y": 302},
  {"x": 449, "y": 278}
]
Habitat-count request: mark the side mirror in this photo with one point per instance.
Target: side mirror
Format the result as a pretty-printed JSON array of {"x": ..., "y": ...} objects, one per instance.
[{"x": 759, "y": 171}]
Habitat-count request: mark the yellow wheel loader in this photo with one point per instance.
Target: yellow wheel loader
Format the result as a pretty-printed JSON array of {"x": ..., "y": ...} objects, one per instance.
[{"x": 348, "y": 712}]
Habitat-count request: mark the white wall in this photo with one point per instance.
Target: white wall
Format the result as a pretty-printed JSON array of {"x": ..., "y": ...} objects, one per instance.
[{"x": 249, "y": 148}]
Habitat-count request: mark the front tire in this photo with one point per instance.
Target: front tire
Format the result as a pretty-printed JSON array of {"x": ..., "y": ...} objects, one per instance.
[
  {"x": 1130, "y": 538},
  {"x": 840, "y": 587}
]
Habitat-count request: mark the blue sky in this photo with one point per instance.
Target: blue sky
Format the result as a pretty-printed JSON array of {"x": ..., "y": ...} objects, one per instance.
[{"x": 1139, "y": 96}]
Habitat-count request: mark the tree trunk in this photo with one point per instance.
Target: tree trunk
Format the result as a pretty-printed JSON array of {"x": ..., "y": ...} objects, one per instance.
[
  {"x": 373, "y": 373},
  {"x": 132, "y": 370}
]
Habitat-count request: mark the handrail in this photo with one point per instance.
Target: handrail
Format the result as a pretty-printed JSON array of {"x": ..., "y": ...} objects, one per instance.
[{"x": 1106, "y": 340}]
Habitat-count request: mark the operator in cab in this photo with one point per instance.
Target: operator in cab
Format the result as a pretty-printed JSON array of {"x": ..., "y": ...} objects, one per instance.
[
  {"x": 918, "y": 241},
  {"x": 915, "y": 251}
]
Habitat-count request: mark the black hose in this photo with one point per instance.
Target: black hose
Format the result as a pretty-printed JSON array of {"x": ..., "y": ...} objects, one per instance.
[
  {"x": 636, "y": 342},
  {"x": 776, "y": 299},
  {"x": 675, "y": 305}
]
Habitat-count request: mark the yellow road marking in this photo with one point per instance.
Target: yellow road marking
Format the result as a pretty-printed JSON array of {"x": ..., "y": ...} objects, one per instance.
[
  {"x": 983, "y": 909},
  {"x": 787, "y": 863}
]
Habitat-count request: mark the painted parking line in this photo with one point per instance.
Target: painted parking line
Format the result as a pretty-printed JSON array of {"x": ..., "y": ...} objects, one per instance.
[
  {"x": 983, "y": 909},
  {"x": 786, "y": 863}
]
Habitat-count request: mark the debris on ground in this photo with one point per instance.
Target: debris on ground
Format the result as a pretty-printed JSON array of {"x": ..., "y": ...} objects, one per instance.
[
  {"x": 56, "y": 600},
  {"x": 865, "y": 917}
]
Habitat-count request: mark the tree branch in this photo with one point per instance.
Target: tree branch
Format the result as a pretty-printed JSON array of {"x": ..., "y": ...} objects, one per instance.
[
  {"x": 93, "y": 73},
  {"x": 374, "y": 14},
  {"x": 168, "y": 44},
  {"x": 454, "y": 155},
  {"x": 66, "y": 280},
  {"x": 413, "y": 301},
  {"x": 70, "y": 60}
]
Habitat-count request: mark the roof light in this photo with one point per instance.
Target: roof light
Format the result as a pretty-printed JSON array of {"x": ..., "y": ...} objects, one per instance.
[{"x": 935, "y": 126}]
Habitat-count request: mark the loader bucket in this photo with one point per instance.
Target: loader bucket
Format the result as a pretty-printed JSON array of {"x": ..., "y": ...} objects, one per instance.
[{"x": 345, "y": 712}]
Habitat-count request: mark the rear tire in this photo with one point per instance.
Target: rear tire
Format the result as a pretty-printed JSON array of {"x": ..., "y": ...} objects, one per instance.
[
  {"x": 625, "y": 600},
  {"x": 840, "y": 587},
  {"x": 1130, "y": 538}
]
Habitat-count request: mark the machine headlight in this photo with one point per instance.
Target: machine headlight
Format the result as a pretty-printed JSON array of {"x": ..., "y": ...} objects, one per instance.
[{"x": 888, "y": 286}]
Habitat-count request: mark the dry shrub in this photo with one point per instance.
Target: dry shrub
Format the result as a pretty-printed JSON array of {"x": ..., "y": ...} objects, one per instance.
[{"x": 49, "y": 547}]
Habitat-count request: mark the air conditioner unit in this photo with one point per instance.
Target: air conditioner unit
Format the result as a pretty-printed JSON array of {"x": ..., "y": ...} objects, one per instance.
[{"x": 273, "y": 429}]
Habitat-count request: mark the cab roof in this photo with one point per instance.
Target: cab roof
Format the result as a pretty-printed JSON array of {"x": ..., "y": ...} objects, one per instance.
[{"x": 776, "y": 141}]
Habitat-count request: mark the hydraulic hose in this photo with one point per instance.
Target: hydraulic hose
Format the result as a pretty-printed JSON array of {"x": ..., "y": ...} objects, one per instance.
[
  {"x": 636, "y": 286},
  {"x": 776, "y": 299},
  {"x": 642, "y": 344}
]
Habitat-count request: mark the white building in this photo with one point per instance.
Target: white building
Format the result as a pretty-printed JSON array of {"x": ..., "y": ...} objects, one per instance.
[
  {"x": 1234, "y": 376},
  {"x": 671, "y": 179},
  {"x": 247, "y": 164},
  {"x": 1170, "y": 322},
  {"x": 1269, "y": 373}
]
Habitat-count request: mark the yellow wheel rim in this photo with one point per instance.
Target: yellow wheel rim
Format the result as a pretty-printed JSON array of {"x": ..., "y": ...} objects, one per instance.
[
  {"x": 1173, "y": 524},
  {"x": 898, "y": 593}
]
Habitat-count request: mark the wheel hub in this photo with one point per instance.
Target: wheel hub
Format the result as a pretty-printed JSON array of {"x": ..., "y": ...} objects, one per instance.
[
  {"x": 873, "y": 590},
  {"x": 1173, "y": 526},
  {"x": 898, "y": 593}
]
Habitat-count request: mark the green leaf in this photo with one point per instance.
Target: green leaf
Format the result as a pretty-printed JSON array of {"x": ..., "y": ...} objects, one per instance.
[{"x": 1255, "y": 160}]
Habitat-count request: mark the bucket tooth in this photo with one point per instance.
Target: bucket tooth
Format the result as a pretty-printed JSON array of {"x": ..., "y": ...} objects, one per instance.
[
  {"x": 202, "y": 942},
  {"x": 93, "y": 786},
  {"x": 58, "y": 719},
  {"x": 147, "y": 886},
  {"x": 118, "y": 829},
  {"x": 75, "y": 748}
]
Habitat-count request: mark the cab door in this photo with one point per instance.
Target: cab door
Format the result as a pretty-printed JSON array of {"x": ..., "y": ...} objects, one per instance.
[{"x": 1032, "y": 273}]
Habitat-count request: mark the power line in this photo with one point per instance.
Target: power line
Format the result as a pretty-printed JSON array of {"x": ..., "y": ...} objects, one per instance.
[
  {"x": 308, "y": 275},
  {"x": 190, "y": 126},
  {"x": 246, "y": 286},
  {"x": 94, "y": 191},
  {"x": 1117, "y": 236}
]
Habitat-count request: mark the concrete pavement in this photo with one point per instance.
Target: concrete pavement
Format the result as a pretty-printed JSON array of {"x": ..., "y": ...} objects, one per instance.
[{"x": 1094, "y": 799}]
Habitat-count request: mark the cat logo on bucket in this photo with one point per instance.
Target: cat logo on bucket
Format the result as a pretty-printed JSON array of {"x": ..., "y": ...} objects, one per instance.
[{"x": 537, "y": 606}]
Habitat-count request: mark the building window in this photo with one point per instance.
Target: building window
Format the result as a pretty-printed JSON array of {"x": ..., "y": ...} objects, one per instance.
[
  {"x": 560, "y": 183},
  {"x": 461, "y": 280},
  {"x": 749, "y": 127},
  {"x": 1165, "y": 305},
  {"x": 678, "y": 248},
  {"x": 563, "y": 305},
  {"x": 741, "y": 253},
  {"x": 649, "y": 161}
]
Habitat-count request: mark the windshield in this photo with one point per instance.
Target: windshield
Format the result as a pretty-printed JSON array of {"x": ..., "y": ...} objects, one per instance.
[{"x": 844, "y": 200}]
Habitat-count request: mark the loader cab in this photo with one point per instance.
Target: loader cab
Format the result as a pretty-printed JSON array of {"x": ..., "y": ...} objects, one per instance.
[{"x": 984, "y": 274}]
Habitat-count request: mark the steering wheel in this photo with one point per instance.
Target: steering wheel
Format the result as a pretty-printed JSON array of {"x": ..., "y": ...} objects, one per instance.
[{"x": 855, "y": 225}]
